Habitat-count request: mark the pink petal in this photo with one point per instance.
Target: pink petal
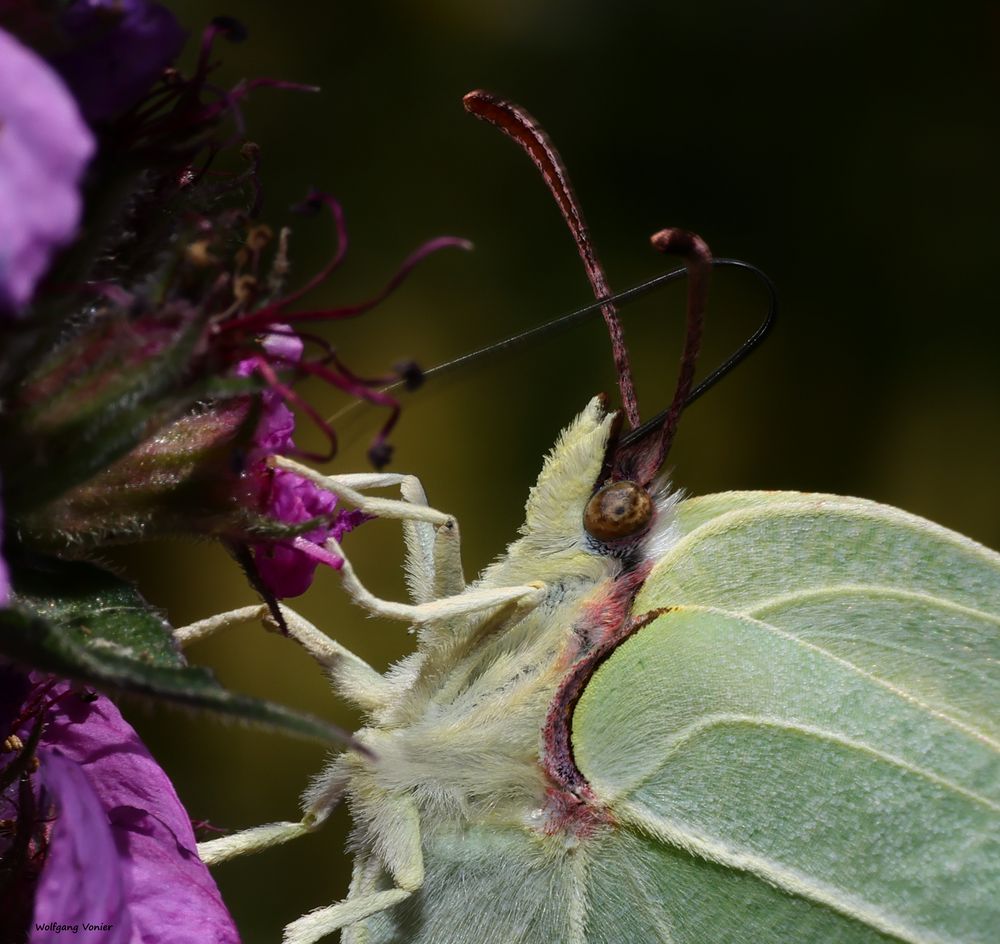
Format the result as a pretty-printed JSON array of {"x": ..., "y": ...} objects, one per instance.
[
  {"x": 171, "y": 897},
  {"x": 83, "y": 881},
  {"x": 44, "y": 147}
]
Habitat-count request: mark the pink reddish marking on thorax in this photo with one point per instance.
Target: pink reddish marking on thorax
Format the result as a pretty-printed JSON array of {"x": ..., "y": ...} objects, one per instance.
[
  {"x": 603, "y": 618},
  {"x": 605, "y": 623},
  {"x": 575, "y": 815}
]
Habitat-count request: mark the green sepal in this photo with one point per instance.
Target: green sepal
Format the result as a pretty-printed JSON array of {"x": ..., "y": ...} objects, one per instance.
[
  {"x": 98, "y": 630},
  {"x": 97, "y": 417},
  {"x": 181, "y": 481}
]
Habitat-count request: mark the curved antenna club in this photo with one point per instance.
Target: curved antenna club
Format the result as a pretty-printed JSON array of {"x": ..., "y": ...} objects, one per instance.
[
  {"x": 518, "y": 125},
  {"x": 760, "y": 333},
  {"x": 641, "y": 457}
]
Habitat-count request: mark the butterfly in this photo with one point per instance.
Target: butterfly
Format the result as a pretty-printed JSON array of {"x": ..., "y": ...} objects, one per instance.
[{"x": 750, "y": 716}]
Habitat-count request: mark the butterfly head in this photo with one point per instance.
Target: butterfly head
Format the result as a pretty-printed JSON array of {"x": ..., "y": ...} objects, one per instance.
[{"x": 577, "y": 509}]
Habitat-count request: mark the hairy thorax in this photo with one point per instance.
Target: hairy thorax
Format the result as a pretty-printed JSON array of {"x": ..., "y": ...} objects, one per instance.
[{"x": 466, "y": 736}]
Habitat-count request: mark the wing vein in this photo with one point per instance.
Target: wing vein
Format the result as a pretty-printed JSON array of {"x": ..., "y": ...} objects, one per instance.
[
  {"x": 896, "y": 690},
  {"x": 711, "y": 722},
  {"x": 788, "y": 880},
  {"x": 760, "y": 607}
]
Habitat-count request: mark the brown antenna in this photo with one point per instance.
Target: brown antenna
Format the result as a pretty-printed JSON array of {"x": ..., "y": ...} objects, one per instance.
[
  {"x": 516, "y": 123},
  {"x": 639, "y": 457}
]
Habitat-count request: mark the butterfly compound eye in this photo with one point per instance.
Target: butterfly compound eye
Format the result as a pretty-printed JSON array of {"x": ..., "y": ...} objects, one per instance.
[{"x": 617, "y": 511}]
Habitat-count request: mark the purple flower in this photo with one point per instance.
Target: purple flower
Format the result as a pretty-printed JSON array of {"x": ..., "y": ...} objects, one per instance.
[
  {"x": 287, "y": 566},
  {"x": 120, "y": 49},
  {"x": 121, "y": 850},
  {"x": 81, "y": 882},
  {"x": 273, "y": 435},
  {"x": 44, "y": 147}
]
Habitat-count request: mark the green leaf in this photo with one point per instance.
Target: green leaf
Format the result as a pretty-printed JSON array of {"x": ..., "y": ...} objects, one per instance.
[
  {"x": 810, "y": 730},
  {"x": 79, "y": 621}
]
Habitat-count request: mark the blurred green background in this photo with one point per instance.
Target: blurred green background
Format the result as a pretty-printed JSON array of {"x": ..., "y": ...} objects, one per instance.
[{"x": 848, "y": 149}]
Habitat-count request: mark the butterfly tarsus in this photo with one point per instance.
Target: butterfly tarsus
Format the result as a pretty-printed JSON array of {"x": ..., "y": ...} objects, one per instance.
[
  {"x": 434, "y": 558},
  {"x": 466, "y": 603},
  {"x": 348, "y": 488},
  {"x": 321, "y": 647},
  {"x": 396, "y": 815}
]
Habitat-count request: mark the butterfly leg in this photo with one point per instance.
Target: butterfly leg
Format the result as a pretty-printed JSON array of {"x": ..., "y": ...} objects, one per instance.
[
  {"x": 433, "y": 545},
  {"x": 349, "y": 489},
  {"x": 394, "y": 819},
  {"x": 433, "y": 553},
  {"x": 364, "y": 684},
  {"x": 365, "y": 874},
  {"x": 248, "y": 841},
  {"x": 354, "y": 678},
  {"x": 434, "y": 567},
  {"x": 461, "y": 604},
  {"x": 324, "y": 798}
]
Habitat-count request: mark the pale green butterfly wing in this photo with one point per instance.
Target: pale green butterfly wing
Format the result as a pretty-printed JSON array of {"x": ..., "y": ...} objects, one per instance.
[
  {"x": 905, "y": 599},
  {"x": 507, "y": 886},
  {"x": 805, "y": 747},
  {"x": 482, "y": 884}
]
